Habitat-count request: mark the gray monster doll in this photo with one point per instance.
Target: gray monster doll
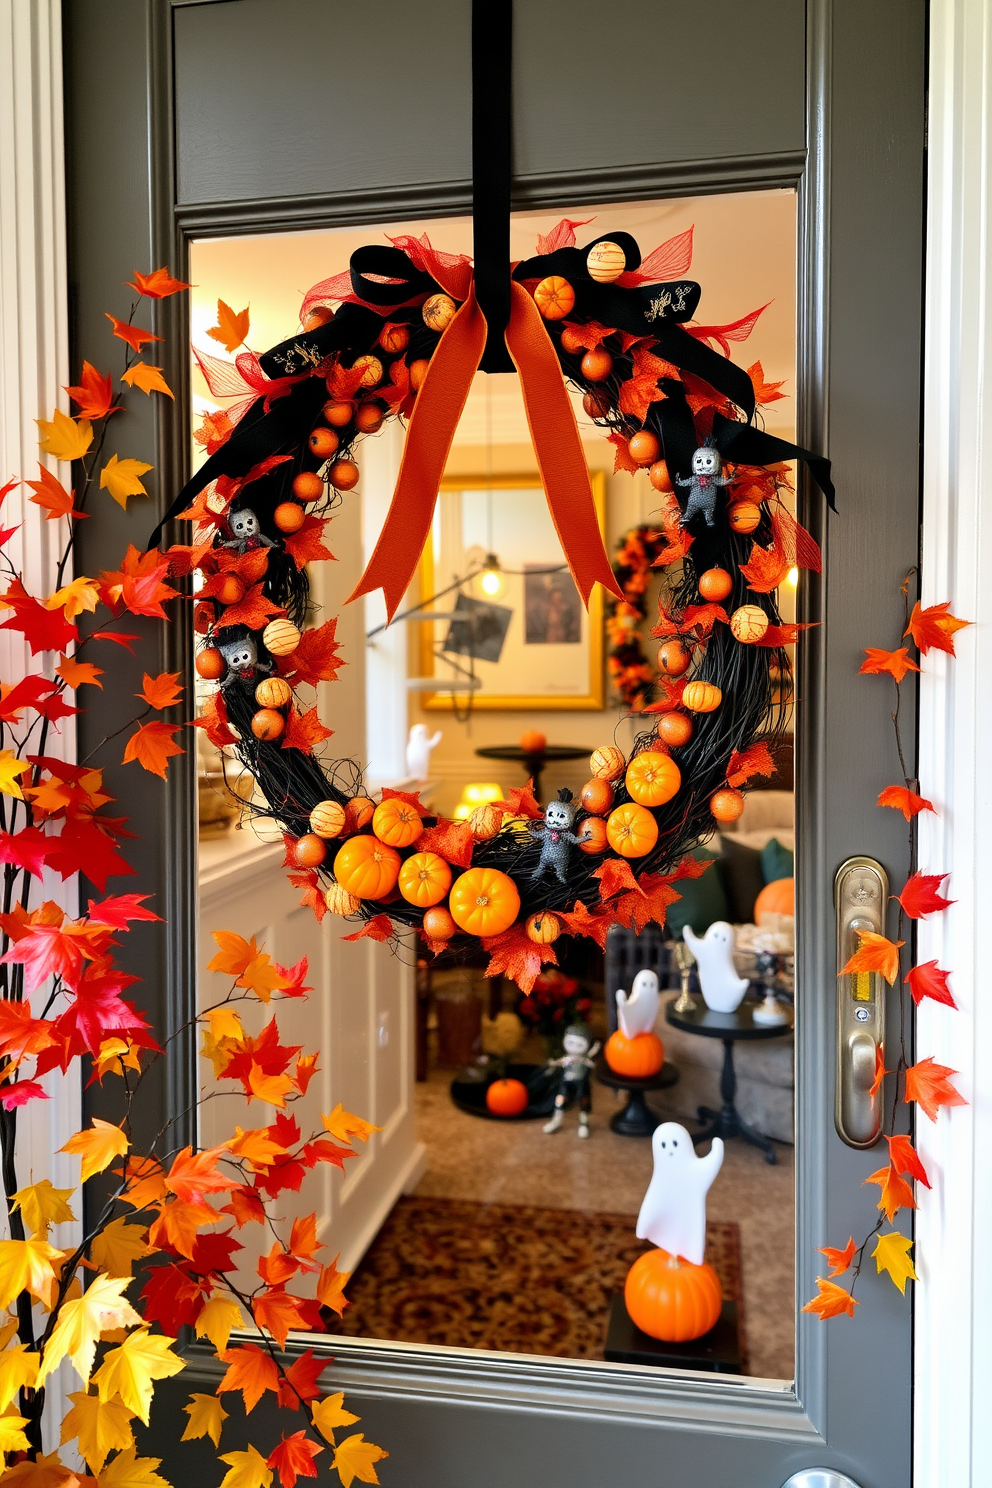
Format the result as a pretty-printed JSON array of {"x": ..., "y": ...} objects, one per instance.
[
  {"x": 704, "y": 482},
  {"x": 557, "y": 837}
]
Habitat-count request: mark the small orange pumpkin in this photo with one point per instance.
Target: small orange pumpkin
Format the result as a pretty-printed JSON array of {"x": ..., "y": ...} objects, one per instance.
[
  {"x": 597, "y": 796},
  {"x": 367, "y": 868},
  {"x": 533, "y": 741},
  {"x": 340, "y": 902},
  {"x": 507, "y": 1097},
  {"x": 554, "y": 297},
  {"x": 543, "y": 927},
  {"x": 743, "y": 516},
  {"x": 358, "y": 813},
  {"x": 424, "y": 879},
  {"x": 671, "y": 1299},
  {"x": 777, "y": 897},
  {"x": 484, "y": 901},
  {"x": 727, "y": 804},
  {"x": 607, "y": 762},
  {"x": 674, "y": 729},
  {"x": 438, "y": 924},
  {"x": 592, "y": 835},
  {"x": 652, "y": 778},
  {"x": 636, "y": 1058},
  {"x": 485, "y": 822},
  {"x": 701, "y": 697},
  {"x": 631, "y": 830},
  {"x": 397, "y": 822},
  {"x": 715, "y": 585},
  {"x": 210, "y": 664},
  {"x": 674, "y": 658}
]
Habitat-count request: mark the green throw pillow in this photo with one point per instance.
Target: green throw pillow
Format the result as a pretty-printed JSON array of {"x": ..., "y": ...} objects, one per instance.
[
  {"x": 703, "y": 899},
  {"x": 777, "y": 861}
]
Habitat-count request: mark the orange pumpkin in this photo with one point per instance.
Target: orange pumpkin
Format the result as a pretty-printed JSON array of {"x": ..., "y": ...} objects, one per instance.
[
  {"x": 671, "y": 1299},
  {"x": 424, "y": 879},
  {"x": 674, "y": 729},
  {"x": 396, "y": 822},
  {"x": 210, "y": 664},
  {"x": 607, "y": 762},
  {"x": 267, "y": 724},
  {"x": 533, "y": 741},
  {"x": 743, "y": 516},
  {"x": 507, "y": 1097},
  {"x": 358, "y": 813},
  {"x": 727, "y": 804},
  {"x": 631, "y": 830},
  {"x": 674, "y": 658},
  {"x": 652, "y": 778},
  {"x": 543, "y": 927},
  {"x": 777, "y": 897},
  {"x": 592, "y": 835},
  {"x": 636, "y": 1058},
  {"x": 701, "y": 697},
  {"x": 340, "y": 902},
  {"x": 484, "y": 901},
  {"x": 715, "y": 584},
  {"x": 367, "y": 868},
  {"x": 597, "y": 796},
  {"x": 485, "y": 822},
  {"x": 438, "y": 924},
  {"x": 554, "y": 297},
  {"x": 310, "y": 850}
]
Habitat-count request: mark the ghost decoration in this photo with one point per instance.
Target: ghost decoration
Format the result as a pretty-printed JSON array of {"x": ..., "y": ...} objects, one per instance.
[
  {"x": 719, "y": 983},
  {"x": 673, "y": 1213},
  {"x": 418, "y": 751},
  {"x": 636, "y": 1013}
]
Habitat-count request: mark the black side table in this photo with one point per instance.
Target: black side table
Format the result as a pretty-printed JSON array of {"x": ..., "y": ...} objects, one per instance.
[
  {"x": 729, "y": 1027},
  {"x": 535, "y": 762},
  {"x": 636, "y": 1119}
]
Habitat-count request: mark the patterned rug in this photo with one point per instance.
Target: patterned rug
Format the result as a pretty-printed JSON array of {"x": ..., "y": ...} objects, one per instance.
[{"x": 505, "y": 1276}]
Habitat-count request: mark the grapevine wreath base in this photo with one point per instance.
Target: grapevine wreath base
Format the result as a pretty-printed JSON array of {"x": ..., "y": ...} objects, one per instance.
[{"x": 400, "y": 334}]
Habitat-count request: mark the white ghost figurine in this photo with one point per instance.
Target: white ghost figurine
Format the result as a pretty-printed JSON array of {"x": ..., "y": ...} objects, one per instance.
[
  {"x": 636, "y": 1013},
  {"x": 673, "y": 1213},
  {"x": 719, "y": 983},
  {"x": 418, "y": 751}
]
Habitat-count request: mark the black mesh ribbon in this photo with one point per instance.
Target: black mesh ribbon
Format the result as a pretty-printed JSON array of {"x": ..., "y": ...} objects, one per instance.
[{"x": 492, "y": 56}]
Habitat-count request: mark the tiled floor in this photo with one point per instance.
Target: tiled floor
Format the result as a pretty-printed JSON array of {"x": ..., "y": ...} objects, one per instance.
[{"x": 514, "y": 1162}]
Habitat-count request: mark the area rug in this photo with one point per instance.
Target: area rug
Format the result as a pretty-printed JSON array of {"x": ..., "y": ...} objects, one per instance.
[{"x": 506, "y": 1276}]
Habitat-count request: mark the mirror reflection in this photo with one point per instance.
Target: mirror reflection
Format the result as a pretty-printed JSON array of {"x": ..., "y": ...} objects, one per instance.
[{"x": 531, "y": 1143}]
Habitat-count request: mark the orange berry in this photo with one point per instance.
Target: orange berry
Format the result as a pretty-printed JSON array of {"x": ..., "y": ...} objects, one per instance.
[
  {"x": 659, "y": 477},
  {"x": 394, "y": 338},
  {"x": 310, "y": 850},
  {"x": 308, "y": 486},
  {"x": 369, "y": 416},
  {"x": 318, "y": 316},
  {"x": 267, "y": 724},
  {"x": 289, "y": 516},
  {"x": 323, "y": 443},
  {"x": 418, "y": 371},
  {"x": 338, "y": 412},
  {"x": 643, "y": 447},
  {"x": 230, "y": 589},
  {"x": 597, "y": 365},
  {"x": 344, "y": 475}
]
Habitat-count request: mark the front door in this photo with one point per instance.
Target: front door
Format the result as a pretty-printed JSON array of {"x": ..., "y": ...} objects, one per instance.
[{"x": 207, "y": 118}]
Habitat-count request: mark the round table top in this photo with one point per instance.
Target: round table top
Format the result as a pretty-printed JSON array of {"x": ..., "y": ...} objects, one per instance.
[
  {"x": 739, "y": 1024},
  {"x": 549, "y": 752},
  {"x": 666, "y": 1076}
]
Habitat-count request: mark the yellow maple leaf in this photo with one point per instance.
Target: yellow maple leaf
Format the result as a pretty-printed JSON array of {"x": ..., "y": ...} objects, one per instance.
[
  {"x": 246, "y": 1470},
  {"x": 891, "y": 1254},
  {"x": 41, "y": 1206},
  {"x": 149, "y": 379},
  {"x": 225, "y": 1022},
  {"x": 10, "y": 768},
  {"x": 26, "y": 1266},
  {"x": 272, "y": 1089},
  {"x": 131, "y": 1369},
  {"x": 12, "y": 1438},
  {"x": 330, "y": 1287},
  {"x": 131, "y": 1471},
  {"x": 115, "y": 1055},
  {"x": 206, "y": 1417},
  {"x": 97, "y": 1145},
  {"x": 82, "y": 594},
  {"x": 116, "y": 1248},
  {"x": 99, "y": 1426},
  {"x": 354, "y": 1458},
  {"x": 216, "y": 1321},
  {"x": 329, "y": 1413},
  {"x": 256, "y": 1147},
  {"x": 341, "y": 1124},
  {"x": 83, "y": 1320},
  {"x": 64, "y": 438},
  {"x": 121, "y": 479},
  {"x": 218, "y": 1051},
  {"x": 18, "y": 1371}
]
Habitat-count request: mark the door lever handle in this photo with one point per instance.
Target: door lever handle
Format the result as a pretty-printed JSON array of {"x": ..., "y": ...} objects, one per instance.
[
  {"x": 861, "y": 891},
  {"x": 820, "y": 1477}
]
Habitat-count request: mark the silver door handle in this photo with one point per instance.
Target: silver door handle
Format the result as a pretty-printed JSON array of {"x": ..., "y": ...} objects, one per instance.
[
  {"x": 820, "y": 1477},
  {"x": 861, "y": 891}
]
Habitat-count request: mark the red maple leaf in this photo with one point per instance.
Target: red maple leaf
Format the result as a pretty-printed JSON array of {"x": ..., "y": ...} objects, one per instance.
[
  {"x": 120, "y": 910},
  {"x": 304, "y": 730},
  {"x": 53, "y": 497},
  {"x": 800, "y": 549},
  {"x": 254, "y": 610},
  {"x": 157, "y": 285},
  {"x": 581, "y": 922},
  {"x": 300, "y": 1381},
  {"x": 171, "y": 1298},
  {"x": 933, "y": 629},
  {"x": 317, "y": 657},
  {"x": 515, "y": 955},
  {"x": 904, "y": 800},
  {"x": 929, "y": 981},
  {"x": 313, "y": 897},
  {"x": 839, "y": 1260},
  {"x": 20, "y": 1093},
  {"x": 380, "y": 927},
  {"x": 44, "y": 629},
  {"x": 20, "y": 1034},
  {"x": 53, "y": 947},
  {"x": 896, "y": 663},
  {"x": 293, "y": 1458},
  {"x": 905, "y": 1159},
  {"x": 98, "y": 1011},
  {"x": 928, "y": 1085},
  {"x": 755, "y": 760},
  {"x": 920, "y": 896},
  {"x": 451, "y": 840},
  {"x": 95, "y": 395},
  {"x": 213, "y": 721},
  {"x": 137, "y": 586},
  {"x": 306, "y": 546},
  {"x": 27, "y": 849}
]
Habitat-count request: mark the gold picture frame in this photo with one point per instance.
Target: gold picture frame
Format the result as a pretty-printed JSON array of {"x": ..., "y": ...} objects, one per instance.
[{"x": 572, "y": 683}]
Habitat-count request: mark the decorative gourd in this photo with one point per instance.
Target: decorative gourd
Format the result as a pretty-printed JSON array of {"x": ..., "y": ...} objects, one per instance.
[
  {"x": 674, "y": 659},
  {"x": 592, "y": 835},
  {"x": 533, "y": 741},
  {"x": 358, "y": 813},
  {"x": 308, "y": 486},
  {"x": 748, "y": 624},
  {"x": 631, "y": 830},
  {"x": 310, "y": 851},
  {"x": 370, "y": 368},
  {"x": 328, "y": 819},
  {"x": 438, "y": 312},
  {"x": 674, "y": 729},
  {"x": 701, "y": 697},
  {"x": 652, "y": 778},
  {"x": 597, "y": 365},
  {"x": 507, "y": 1097},
  {"x": 671, "y": 1299},
  {"x": 344, "y": 475},
  {"x": 424, "y": 879},
  {"x": 210, "y": 664},
  {"x": 289, "y": 516},
  {"x": 367, "y": 867},
  {"x": 636, "y": 1058},
  {"x": 659, "y": 477},
  {"x": 280, "y": 637},
  {"x": 394, "y": 337},
  {"x": 397, "y": 822},
  {"x": 340, "y": 902},
  {"x": 607, "y": 762},
  {"x": 267, "y": 724},
  {"x": 715, "y": 585},
  {"x": 777, "y": 897},
  {"x": 554, "y": 297},
  {"x": 485, "y": 822},
  {"x": 543, "y": 927},
  {"x": 643, "y": 447},
  {"x": 727, "y": 804},
  {"x": 438, "y": 924},
  {"x": 323, "y": 443},
  {"x": 605, "y": 262},
  {"x": 273, "y": 692},
  {"x": 597, "y": 796},
  {"x": 484, "y": 902},
  {"x": 743, "y": 516}
]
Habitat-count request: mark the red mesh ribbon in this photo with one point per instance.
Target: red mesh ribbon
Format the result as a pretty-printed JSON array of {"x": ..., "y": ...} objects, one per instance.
[{"x": 555, "y": 434}]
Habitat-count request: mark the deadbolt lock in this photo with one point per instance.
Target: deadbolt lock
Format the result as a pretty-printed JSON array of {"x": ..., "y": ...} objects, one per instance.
[{"x": 861, "y": 893}]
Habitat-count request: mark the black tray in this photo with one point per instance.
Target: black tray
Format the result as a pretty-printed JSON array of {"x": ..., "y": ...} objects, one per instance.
[{"x": 470, "y": 1095}]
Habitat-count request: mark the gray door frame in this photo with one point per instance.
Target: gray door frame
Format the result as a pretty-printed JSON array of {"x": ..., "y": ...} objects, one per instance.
[{"x": 453, "y": 1416}]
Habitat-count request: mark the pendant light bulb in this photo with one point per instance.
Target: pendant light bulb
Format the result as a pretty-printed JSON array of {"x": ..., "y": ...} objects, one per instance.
[{"x": 491, "y": 580}]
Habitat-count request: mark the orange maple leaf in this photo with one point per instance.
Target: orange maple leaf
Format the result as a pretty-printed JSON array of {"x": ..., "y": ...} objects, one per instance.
[
  {"x": 231, "y": 328},
  {"x": 162, "y": 691},
  {"x": 317, "y": 657},
  {"x": 896, "y": 663},
  {"x": 880, "y": 1071},
  {"x": 934, "y": 628},
  {"x": 306, "y": 546},
  {"x": 920, "y": 896},
  {"x": 152, "y": 745},
  {"x": 765, "y": 569},
  {"x": 765, "y": 392},
  {"x": 330, "y": 1287},
  {"x": 250, "y": 1370},
  {"x": 514, "y": 954},
  {"x": 928, "y": 1085},
  {"x": 149, "y": 379},
  {"x": 622, "y": 459},
  {"x": 876, "y": 953},
  {"x": 650, "y": 902},
  {"x": 254, "y": 610},
  {"x": 278, "y": 1311},
  {"x": 52, "y": 496},
  {"x": 839, "y": 1260},
  {"x": 177, "y": 1225},
  {"x": 902, "y": 799},
  {"x": 451, "y": 840},
  {"x": 133, "y": 335},
  {"x": 194, "y": 1174},
  {"x": 615, "y": 877},
  {"x": 95, "y": 395},
  {"x": 304, "y": 731},
  {"x": 896, "y": 1192},
  {"x": 755, "y": 760},
  {"x": 833, "y": 1301},
  {"x": 581, "y": 922},
  {"x": 157, "y": 285},
  {"x": 75, "y": 673},
  {"x": 144, "y": 1178}
]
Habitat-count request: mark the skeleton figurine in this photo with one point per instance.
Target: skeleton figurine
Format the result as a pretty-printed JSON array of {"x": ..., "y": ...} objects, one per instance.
[
  {"x": 573, "y": 1071},
  {"x": 557, "y": 837},
  {"x": 246, "y": 532},
  {"x": 243, "y": 661},
  {"x": 704, "y": 483}
]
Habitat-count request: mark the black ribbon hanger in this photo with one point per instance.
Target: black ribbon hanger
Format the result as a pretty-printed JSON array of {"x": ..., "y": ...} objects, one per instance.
[{"x": 492, "y": 124}]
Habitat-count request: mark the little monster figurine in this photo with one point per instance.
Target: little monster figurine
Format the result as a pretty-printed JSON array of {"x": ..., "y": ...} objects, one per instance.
[
  {"x": 704, "y": 482},
  {"x": 573, "y": 1071},
  {"x": 557, "y": 837},
  {"x": 244, "y": 664},
  {"x": 246, "y": 532}
]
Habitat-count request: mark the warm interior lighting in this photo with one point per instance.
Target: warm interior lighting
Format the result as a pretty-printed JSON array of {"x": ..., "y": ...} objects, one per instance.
[
  {"x": 792, "y": 577},
  {"x": 492, "y": 579},
  {"x": 477, "y": 794}
]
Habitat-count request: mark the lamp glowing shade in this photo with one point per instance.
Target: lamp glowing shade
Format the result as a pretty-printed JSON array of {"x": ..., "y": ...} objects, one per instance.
[
  {"x": 491, "y": 582},
  {"x": 477, "y": 794}
]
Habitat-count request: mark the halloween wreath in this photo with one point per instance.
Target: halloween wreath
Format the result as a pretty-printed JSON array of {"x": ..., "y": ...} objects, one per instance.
[{"x": 401, "y": 334}]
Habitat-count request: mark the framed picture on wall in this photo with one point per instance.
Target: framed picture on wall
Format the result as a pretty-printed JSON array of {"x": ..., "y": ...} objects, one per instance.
[{"x": 494, "y": 566}]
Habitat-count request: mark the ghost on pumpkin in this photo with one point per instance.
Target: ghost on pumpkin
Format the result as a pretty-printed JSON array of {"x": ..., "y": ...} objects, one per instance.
[
  {"x": 673, "y": 1212},
  {"x": 637, "y": 1012}
]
